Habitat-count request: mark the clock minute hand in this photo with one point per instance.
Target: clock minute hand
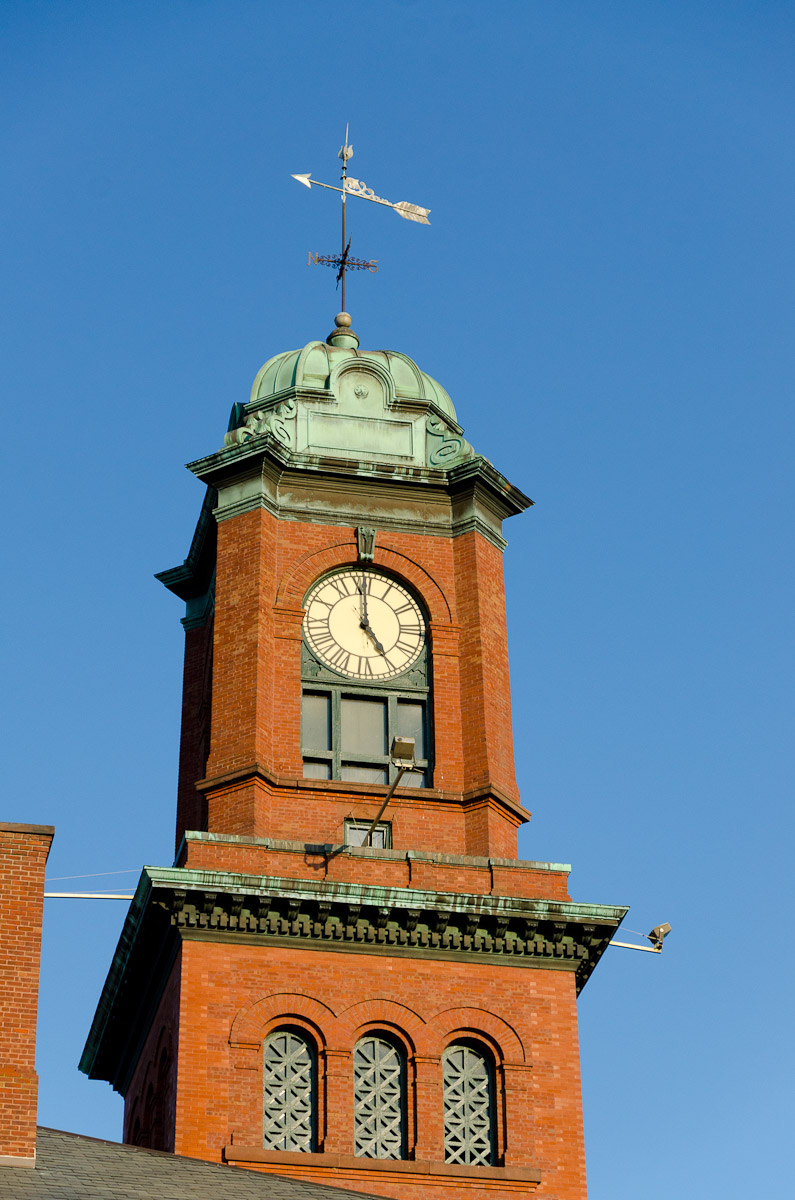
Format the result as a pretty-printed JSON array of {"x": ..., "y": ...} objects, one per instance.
[{"x": 364, "y": 622}]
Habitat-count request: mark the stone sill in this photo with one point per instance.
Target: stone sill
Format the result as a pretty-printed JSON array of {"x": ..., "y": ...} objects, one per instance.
[{"x": 291, "y": 1163}]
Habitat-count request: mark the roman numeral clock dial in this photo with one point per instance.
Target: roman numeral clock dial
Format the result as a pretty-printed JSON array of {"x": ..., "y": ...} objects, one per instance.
[{"x": 364, "y": 625}]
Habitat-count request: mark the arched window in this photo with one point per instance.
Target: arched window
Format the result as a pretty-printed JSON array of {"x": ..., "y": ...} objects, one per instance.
[
  {"x": 379, "y": 1099},
  {"x": 158, "y": 1138},
  {"x": 289, "y": 1073},
  {"x": 468, "y": 1081}
]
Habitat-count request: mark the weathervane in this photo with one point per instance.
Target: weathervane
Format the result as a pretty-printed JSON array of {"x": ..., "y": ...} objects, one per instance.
[{"x": 357, "y": 187}]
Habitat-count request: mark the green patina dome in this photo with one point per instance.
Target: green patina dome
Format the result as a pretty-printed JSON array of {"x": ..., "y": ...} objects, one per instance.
[{"x": 312, "y": 367}]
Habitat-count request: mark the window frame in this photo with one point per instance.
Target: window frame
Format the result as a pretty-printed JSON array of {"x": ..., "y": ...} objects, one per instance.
[
  {"x": 392, "y": 698},
  {"x": 384, "y": 827},
  {"x": 382, "y": 1037},
  {"x": 313, "y": 1089},
  {"x": 490, "y": 1063}
]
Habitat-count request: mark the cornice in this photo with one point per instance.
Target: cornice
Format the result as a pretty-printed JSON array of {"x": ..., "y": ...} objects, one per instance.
[
  {"x": 304, "y": 487},
  {"x": 178, "y": 903},
  {"x": 193, "y": 578}
]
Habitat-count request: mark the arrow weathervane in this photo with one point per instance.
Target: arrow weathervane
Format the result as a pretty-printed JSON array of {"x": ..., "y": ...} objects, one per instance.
[{"x": 357, "y": 187}]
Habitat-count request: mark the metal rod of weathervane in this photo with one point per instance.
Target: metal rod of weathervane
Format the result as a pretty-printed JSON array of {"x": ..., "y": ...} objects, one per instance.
[
  {"x": 344, "y": 262},
  {"x": 345, "y": 153}
]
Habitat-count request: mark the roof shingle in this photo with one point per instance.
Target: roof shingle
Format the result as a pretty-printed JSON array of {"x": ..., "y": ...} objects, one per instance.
[{"x": 72, "y": 1167}]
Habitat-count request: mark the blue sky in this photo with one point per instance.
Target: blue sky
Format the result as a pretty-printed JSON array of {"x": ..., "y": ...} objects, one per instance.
[{"x": 606, "y": 291}]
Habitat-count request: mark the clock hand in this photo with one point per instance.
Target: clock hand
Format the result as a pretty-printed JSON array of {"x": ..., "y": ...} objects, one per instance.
[
  {"x": 366, "y": 627},
  {"x": 364, "y": 622}
]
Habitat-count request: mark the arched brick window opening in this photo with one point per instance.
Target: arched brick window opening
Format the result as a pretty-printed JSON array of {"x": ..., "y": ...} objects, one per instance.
[
  {"x": 158, "y": 1135},
  {"x": 289, "y": 1071},
  {"x": 135, "y": 1129},
  {"x": 147, "y": 1117},
  {"x": 469, "y": 1111},
  {"x": 379, "y": 1098}
]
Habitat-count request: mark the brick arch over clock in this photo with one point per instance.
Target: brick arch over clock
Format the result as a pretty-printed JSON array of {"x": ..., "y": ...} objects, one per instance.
[{"x": 301, "y": 574}]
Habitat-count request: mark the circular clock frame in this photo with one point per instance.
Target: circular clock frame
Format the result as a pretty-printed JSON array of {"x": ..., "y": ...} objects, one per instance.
[{"x": 364, "y": 625}]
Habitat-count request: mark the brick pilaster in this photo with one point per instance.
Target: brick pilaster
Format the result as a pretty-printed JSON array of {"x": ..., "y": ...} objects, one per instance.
[{"x": 23, "y": 855}]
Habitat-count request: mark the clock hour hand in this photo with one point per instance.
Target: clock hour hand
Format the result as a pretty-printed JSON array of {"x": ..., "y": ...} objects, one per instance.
[{"x": 366, "y": 627}]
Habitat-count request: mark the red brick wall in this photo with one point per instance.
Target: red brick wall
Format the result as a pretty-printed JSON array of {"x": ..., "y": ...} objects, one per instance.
[
  {"x": 23, "y": 855},
  {"x": 150, "y": 1103},
  {"x": 316, "y": 811},
  {"x": 232, "y": 996},
  {"x": 264, "y": 570},
  {"x": 484, "y": 680},
  {"x": 194, "y": 745},
  {"x": 390, "y": 869}
]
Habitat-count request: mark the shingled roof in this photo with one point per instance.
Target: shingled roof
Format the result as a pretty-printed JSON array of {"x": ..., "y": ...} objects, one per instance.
[{"x": 72, "y": 1167}]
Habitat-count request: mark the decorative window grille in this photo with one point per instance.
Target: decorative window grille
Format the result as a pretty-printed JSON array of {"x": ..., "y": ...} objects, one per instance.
[
  {"x": 289, "y": 1092},
  {"x": 467, "y": 1079},
  {"x": 379, "y": 1099}
]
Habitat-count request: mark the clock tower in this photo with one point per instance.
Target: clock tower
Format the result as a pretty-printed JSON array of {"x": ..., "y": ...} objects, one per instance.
[{"x": 340, "y": 979}]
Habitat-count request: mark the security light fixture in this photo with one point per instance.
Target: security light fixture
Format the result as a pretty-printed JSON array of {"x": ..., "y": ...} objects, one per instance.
[
  {"x": 657, "y": 934},
  {"x": 402, "y": 755},
  {"x": 655, "y": 937}
]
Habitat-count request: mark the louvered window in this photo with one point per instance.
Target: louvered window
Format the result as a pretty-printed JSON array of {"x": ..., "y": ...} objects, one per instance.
[
  {"x": 289, "y": 1077},
  {"x": 468, "y": 1081},
  {"x": 379, "y": 1099}
]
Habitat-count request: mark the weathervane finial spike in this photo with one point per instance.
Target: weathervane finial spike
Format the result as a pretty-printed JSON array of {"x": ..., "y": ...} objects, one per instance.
[{"x": 346, "y": 151}]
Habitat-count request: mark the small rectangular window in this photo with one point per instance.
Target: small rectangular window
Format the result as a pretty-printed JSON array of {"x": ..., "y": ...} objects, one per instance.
[
  {"x": 356, "y": 831},
  {"x": 364, "y": 729}
]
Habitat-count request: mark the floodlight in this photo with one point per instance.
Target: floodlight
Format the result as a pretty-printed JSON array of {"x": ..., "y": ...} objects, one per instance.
[
  {"x": 657, "y": 934},
  {"x": 402, "y": 755},
  {"x": 402, "y": 752},
  {"x": 655, "y": 937}
]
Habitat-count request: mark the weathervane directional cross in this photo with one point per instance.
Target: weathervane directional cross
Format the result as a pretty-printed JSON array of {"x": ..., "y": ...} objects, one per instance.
[{"x": 357, "y": 187}]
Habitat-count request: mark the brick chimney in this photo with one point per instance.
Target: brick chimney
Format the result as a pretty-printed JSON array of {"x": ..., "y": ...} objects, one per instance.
[{"x": 23, "y": 855}]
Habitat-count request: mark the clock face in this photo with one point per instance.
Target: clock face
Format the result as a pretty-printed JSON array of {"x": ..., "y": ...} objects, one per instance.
[{"x": 364, "y": 625}]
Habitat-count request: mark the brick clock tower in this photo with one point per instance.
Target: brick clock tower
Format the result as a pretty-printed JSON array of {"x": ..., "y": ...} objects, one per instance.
[{"x": 398, "y": 1017}]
